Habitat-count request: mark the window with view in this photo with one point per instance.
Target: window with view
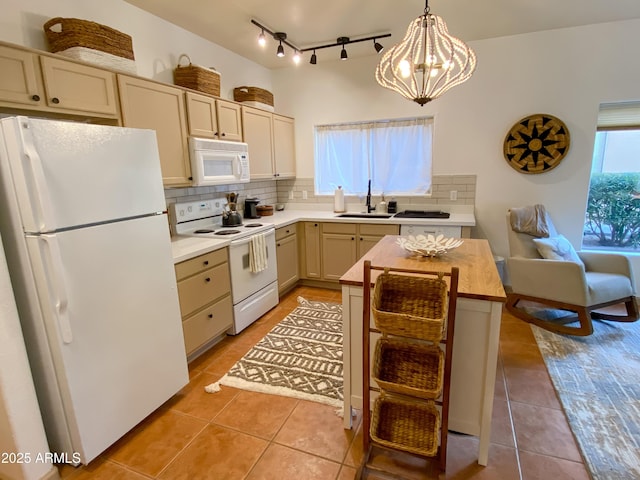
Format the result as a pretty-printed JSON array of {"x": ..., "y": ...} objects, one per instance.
[
  {"x": 394, "y": 154},
  {"x": 613, "y": 208}
]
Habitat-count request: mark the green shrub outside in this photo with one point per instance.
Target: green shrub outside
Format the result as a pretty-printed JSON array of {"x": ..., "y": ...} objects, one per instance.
[{"x": 613, "y": 209}]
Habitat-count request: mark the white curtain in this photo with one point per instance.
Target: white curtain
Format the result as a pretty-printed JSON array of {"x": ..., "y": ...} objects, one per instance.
[{"x": 394, "y": 154}]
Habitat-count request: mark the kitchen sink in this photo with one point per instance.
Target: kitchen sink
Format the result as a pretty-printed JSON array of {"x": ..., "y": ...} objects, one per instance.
[{"x": 364, "y": 215}]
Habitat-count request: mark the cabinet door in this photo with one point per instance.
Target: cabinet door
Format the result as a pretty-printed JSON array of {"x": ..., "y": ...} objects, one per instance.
[
  {"x": 257, "y": 132},
  {"x": 229, "y": 121},
  {"x": 161, "y": 108},
  {"x": 284, "y": 149},
  {"x": 20, "y": 81},
  {"x": 366, "y": 243},
  {"x": 338, "y": 254},
  {"x": 79, "y": 88},
  {"x": 201, "y": 115},
  {"x": 312, "y": 250},
  {"x": 287, "y": 255}
]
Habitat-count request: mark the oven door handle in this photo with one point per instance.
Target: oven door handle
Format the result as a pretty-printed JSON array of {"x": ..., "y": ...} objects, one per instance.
[{"x": 245, "y": 241}]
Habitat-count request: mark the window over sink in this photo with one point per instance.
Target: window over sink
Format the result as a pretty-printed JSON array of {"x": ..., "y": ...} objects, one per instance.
[{"x": 395, "y": 154}]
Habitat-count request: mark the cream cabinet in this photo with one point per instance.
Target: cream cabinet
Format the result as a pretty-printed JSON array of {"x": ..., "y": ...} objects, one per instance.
[
  {"x": 204, "y": 290},
  {"x": 287, "y": 257},
  {"x": 48, "y": 84},
  {"x": 159, "y": 107},
  {"x": 213, "y": 118},
  {"x": 311, "y": 245},
  {"x": 271, "y": 143}
]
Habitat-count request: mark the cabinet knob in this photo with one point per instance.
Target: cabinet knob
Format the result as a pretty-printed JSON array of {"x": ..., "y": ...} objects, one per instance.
[
  {"x": 206, "y": 262},
  {"x": 315, "y": 224},
  {"x": 278, "y": 244},
  {"x": 210, "y": 315},
  {"x": 361, "y": 238},
  {"x": 55, "y": 100},
  {"x": 207, "y": 279},
  {"x": 35, "y": 98},
  {"x": 353, "y": 238},
  {"x": 224, "y": 134}
]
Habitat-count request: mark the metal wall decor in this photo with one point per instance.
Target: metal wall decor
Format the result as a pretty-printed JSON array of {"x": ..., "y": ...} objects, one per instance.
[{"x": 536, "y": 144}]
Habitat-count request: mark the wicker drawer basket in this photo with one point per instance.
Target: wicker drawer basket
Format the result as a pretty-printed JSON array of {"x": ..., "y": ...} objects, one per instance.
[
  {"x": 402, "y": 424},
  {"x": 254, "y": 96},
  {"x": 198, "y": 78},
  {"x": 410, "y": 306},
  {"x": 409, "y": 368}
]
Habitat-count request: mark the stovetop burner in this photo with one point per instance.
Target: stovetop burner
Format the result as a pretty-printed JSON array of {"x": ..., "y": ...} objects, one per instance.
[
  {"x": 204, "y": 230},
  {"x": 226, "y": 232},
  {"x": 252, "y": 225}
]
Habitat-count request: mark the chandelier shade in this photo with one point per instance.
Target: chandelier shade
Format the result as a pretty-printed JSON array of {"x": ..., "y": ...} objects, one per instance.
[{"x": 427, "y": 62}]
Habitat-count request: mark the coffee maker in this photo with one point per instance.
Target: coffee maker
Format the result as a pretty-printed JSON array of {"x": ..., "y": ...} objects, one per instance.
[{"x": 251, "y": 208}]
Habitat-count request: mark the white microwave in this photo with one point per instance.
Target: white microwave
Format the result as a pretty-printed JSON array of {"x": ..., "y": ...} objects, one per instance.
[{"x": 216, "y": 162}]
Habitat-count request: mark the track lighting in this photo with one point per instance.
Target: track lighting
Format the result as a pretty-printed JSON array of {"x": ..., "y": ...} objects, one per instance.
[{"x": 281, "y": 37}]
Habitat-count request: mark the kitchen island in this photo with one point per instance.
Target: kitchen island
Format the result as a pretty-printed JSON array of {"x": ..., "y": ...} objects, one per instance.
[{"x": 477, "y": 331}]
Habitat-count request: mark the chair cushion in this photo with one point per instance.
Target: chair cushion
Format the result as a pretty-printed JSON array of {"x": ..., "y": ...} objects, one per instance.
[
  {"x": 557, "y": 248},
  {"x": 605, "y": 287}
]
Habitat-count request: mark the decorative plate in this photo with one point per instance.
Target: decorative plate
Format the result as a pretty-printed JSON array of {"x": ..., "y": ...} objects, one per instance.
[
  {"x": 536, "y": 144},
  {"x": 428, "y": 245}
]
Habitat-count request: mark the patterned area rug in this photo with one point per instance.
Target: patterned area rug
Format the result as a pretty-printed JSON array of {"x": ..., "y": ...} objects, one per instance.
[
  {"x": 598, "y": 381},
  {"x": 300, "y": 357}
]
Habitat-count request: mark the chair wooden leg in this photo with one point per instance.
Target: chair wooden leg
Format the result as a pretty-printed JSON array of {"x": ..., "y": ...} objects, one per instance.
[{"x": 631, "y": 316}]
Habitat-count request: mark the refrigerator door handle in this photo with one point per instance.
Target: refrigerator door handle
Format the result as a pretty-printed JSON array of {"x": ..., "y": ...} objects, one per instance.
[
  {"x": 56, "y": 283},
  {"x": 42, "y": 191}
]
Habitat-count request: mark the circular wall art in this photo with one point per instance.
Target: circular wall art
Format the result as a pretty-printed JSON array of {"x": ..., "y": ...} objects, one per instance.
[{"x": 536, "y": 144}]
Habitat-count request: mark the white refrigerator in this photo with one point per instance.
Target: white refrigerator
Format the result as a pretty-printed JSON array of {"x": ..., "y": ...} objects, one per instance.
[{"x": 89, "y": 254}]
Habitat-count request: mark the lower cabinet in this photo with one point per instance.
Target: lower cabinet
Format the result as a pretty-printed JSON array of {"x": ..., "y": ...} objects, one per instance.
[
  {"x": 287, "y": 257},
  {"x": 310, "y": 265},
  {"x": 204, "y": 290}
]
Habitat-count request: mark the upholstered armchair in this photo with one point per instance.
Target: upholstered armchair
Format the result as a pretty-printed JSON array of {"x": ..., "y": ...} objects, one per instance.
[{"x": 545, "y": 269}]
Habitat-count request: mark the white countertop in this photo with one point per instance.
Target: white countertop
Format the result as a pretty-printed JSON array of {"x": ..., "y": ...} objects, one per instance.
[{"x": 185, "y": 248}]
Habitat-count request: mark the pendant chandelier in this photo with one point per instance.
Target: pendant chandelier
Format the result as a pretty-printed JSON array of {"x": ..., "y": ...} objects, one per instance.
[{"x": 427, "y": 62}]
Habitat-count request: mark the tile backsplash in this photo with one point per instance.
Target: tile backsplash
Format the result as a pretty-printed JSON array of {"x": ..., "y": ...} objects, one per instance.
[{"x": 270, "y": 192}]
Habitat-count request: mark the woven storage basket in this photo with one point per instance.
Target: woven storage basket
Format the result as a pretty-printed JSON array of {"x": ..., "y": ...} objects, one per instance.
[
  {"x": 410, "y": 306},
  {"x": 409, "y": 368},
  {"x": 198, "y": 78},
  {"x": 253, "y": 94},
  {"x": 402, "y": 424},
  {"x": 65, "y": 33}
]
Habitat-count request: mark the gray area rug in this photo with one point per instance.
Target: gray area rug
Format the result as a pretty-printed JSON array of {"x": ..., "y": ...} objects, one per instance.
[
  {"x": 301, "y": 357},
  {"x": 598, "y": 381}
]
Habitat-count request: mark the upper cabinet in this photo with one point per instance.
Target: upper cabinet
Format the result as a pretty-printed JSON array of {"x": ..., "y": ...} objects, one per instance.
[
  {"x": 38, "y": 82},
  {"x": 213, "y": 118},
  {"x": 159, "y": 107},
  {"x": 271, "y": 143}
]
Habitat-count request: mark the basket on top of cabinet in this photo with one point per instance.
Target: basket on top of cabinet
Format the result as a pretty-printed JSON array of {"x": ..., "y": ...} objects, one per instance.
[{"x": 410, "y": 306}]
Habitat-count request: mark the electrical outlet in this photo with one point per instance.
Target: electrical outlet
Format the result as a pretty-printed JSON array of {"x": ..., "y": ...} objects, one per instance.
[
  {"x": 304, "y": 194},
  {"x": 290, "y": 194},
  {"x": 453, "y": 195}
]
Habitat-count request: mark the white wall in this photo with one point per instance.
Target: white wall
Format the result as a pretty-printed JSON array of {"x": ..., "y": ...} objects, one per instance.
[
  {"x": 566, "y": 73},
  {"x": 157, "y": 44}
]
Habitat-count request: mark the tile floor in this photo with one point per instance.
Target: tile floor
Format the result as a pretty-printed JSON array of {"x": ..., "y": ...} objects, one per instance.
[{"x": 237, "y": 434}]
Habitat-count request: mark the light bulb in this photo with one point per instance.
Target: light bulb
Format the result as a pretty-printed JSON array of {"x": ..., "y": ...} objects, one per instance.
[
  {"x": 262, "y": 41},
  {"x": 405, "y": 68},
  {"x": 280, "y": 51},
  {"x": 296, "y": 57}
]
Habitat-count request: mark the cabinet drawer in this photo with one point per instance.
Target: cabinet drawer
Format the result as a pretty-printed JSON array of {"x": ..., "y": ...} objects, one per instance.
[
  {"x": 347, "y": 228},
  {"x": 207, "y": 324},
  {"x": 203, "y": 288},
  {"x": 285, "y": 231},
  {"x": 376, "y": 229},
  {"x": 198, "y": 264}
]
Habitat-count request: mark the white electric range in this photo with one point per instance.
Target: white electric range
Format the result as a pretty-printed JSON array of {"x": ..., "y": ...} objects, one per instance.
[{"x": 253, "y": 292}]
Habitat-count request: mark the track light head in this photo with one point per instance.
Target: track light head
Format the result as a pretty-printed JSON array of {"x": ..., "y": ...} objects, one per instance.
[
  {"x": 343, "y": 53},
  {"x": 280, "y": 51},
  {"x": 314, "y": 59},
  {"x": 377, "y": 46},
  {"x": 281, "y": 37}
]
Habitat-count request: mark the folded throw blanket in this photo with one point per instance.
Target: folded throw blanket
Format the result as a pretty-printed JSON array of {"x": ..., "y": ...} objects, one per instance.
[{"x": 531, "y": 220}]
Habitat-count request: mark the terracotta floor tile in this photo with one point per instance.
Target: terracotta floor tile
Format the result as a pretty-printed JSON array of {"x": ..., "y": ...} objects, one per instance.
[
  {"x": 355, "y": 452},
  {"x": 501, "y": 427},
  {"x": 104, "y": 470},
  {"x": 500, "y": 389},
  {"x": 401, "y": 464},
  {"x": 531, "y": 386},
  {"x": 516, "y": 331},
  {"x": 256, "y": 413},
  {"x": 193, "y": 400},
  {"x": 317, "y": 429},
  {"x": 521, "y": 355},
  {"x": 539, "y": 467},
  {"x": 280, "y": 462},
  {"x": 543, "y": 430},
  {"x": 347, "y": 473},
  {"x": 216, "y": 453},
  {"x": 462, "y": 461},
  {"x": 225, "y": 359},
  {"x": 153, "y": 444}
]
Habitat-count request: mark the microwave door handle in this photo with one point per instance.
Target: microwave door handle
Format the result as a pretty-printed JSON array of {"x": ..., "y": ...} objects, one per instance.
[{"x": 236, "y": 163}]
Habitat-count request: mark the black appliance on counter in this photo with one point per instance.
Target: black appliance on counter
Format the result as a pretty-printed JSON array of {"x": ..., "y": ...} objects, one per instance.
[
  {"x": 422, "y": 214},
  {"x": 251, "y": 208}
]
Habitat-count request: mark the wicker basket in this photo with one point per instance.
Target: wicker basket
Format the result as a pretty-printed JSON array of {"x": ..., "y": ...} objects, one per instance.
[
  {"x": 410, "y": 306},
  {"x": 253, "y": 94},
  {"x": 402, "y": 424},
  {"x": 198, "y": 78},
  {"x": 409, "y": 368},
  {"x": 65, "y": 33}
]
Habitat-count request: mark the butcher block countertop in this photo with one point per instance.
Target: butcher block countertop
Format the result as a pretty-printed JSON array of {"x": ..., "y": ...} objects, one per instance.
[{"x": 478, "y": 279}]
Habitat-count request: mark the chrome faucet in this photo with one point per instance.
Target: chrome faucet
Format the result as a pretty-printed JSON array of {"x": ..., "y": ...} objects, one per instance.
[{"x": 370, "y": 208}]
